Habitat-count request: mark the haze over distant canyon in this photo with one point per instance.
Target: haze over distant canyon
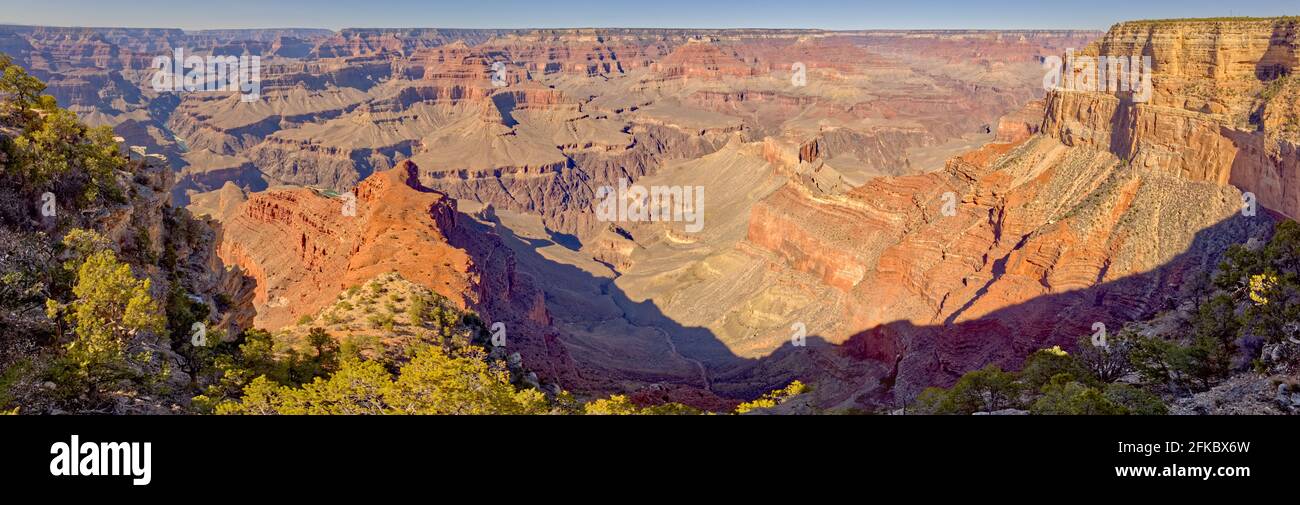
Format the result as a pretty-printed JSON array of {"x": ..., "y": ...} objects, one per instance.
[{"x": 474, "y": 161}]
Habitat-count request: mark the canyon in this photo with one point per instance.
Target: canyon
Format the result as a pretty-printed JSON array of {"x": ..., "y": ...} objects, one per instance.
[{"x": 913, "y": 203}]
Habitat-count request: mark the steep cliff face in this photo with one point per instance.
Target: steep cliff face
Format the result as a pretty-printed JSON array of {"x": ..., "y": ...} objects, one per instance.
[
  {"x": 558, "y": 185},
  {"x": 355, "y": 42},
  {"x": 586, "y": 53},
  {"x": 582, "y": 109},
  {"x": 1043, "y": 241},
  {"x": 1089, "y": 208},
  {"x": 304, "y": 248},
  {"x": 1222, "y": 109},
  {"x": 574, "y": 108},
  {"x": 700, "y": 60},
  {"x": 1022, "y": 124},
  {"x": 977, "y": 45}
]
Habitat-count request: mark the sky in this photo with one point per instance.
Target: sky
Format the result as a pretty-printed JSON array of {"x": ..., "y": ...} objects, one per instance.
[{"x": 824, "y": 14}]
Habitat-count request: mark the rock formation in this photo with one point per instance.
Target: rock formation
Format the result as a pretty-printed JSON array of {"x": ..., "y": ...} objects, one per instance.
[
  {"x": 1223, "y": 106},
  {"x": 476, "y": 157},
  {"x": 327, "y": 243}
]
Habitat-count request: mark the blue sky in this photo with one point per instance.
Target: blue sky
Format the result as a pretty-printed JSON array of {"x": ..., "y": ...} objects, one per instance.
[{"x": 828, "y": 14}]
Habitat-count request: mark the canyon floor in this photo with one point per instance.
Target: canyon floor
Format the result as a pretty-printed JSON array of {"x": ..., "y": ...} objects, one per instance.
[{"x": 882, "y": 210}]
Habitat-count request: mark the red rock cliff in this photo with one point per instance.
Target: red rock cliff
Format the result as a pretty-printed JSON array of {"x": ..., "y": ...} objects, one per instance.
[
  {"x": 304, "y": 248},
  {"x": 1223, "y": 107}
]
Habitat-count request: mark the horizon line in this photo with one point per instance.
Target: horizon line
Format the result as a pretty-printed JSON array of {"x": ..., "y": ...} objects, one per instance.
[{"x": 735, "y": 28}]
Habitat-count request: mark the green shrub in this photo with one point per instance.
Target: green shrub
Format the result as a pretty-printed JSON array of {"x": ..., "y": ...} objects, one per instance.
[
  {"x": 1135, "y": 400},
  {"x": 1065, "y": 396},
  {"x": 620, "y": 405},
  {"x": 381, "y": 320},
  {"x": 774, "y": 398},
  {"x": 984, "y": 390},
  {"x": 433, "y": 382},
  {"x": 1044, "y": 364}
]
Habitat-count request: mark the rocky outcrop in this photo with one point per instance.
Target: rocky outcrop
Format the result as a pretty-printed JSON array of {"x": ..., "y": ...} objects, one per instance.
[
  {"x": 723, "y": 101},
  {"x": 1018, "y": 126},
  {"x": 328, "y": 243},
  {"x": 881, "y": 149},
  {"x": 700, "y": 59},
  {"x": 305, "y": 163},
  {"x": 370, "y": 41},
  {"x": 1030, "y": 241},
  {"x": 575, "y": 110},
  {"x": 1004, "y": 46},
  {"x": 563, "y": 191},
  {"x": 1043, "y": 240},
  {"x": 1214, "y": 86},
  {"x": 585, "y": 53}
]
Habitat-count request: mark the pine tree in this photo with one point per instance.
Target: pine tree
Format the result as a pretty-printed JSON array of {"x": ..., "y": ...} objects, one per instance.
[{"x": 110, "y": 307}]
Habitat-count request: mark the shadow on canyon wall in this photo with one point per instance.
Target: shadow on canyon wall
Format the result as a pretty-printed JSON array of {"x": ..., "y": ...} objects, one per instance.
[{"x": 889, "y": 364}]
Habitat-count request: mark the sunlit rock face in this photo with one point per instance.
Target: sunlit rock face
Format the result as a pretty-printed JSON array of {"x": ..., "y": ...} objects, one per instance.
[
  {"x": 1223, "y": 106},
  {"x": 304, "y": 247},
  {"x": 913, "y": 203}
]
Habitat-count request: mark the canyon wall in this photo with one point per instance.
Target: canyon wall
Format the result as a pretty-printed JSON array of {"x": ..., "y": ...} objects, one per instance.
[
  {"x": 325, "y": 244},
  {"x": 1223, "y": 106},
  {"x": 1087, "y": 208},
  {"x": 529, "y": 124}
]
